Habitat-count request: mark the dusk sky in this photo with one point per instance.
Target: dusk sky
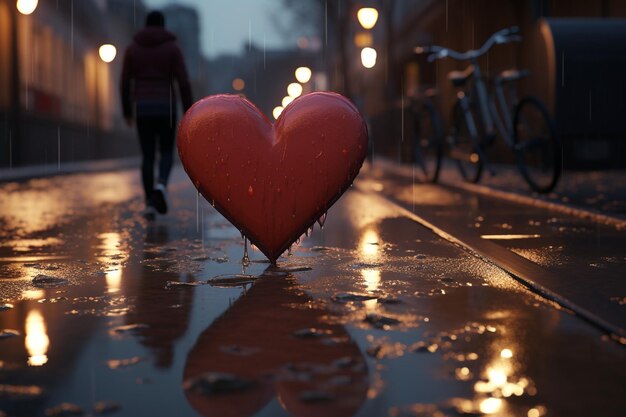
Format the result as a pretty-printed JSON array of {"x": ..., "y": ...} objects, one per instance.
[{"x": 228, "y": 24}]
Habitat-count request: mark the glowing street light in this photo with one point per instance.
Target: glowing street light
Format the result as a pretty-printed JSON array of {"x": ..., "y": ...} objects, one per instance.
[
  {"x": 277, "y": 111},
  {"x": 287, "y": 100},
  {"x": 107, "y": 52},
  {"x": 26, "y": 6},
  {"x": 367, "y": 17},
  {"x": 368, "y": 57},
  {"x": 303, "y": 74},
  {"x": 294, "y": 90}
]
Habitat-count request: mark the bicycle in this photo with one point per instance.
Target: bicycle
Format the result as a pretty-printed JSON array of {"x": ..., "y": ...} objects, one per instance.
[
  {"x": 427, "y": 134},
  {"x": 479, "y": 115}
]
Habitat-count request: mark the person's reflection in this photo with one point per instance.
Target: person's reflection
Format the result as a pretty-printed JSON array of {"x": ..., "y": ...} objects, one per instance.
[
  {"x": 165, "y": 312},
  {"x": 274, "y": 337}
]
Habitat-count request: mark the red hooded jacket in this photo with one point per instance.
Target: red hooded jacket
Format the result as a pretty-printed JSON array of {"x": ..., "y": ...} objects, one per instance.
[{"x": 151, "y": 64}]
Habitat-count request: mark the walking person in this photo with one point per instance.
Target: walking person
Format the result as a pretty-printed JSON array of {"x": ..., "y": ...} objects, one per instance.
[{"x": 151, "y": 64}]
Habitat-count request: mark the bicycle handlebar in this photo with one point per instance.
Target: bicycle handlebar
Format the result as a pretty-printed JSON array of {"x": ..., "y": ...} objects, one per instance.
[{"x": 501, "y": 37}]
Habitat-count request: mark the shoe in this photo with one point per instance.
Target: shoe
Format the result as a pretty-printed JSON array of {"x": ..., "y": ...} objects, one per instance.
[
  {"x": 160, "y": 199},
  {"x": 149, "y": 213}
]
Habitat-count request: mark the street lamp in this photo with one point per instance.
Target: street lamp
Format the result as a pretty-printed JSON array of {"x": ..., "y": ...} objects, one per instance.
[
  {"x": 367, "y": 17},
  {"x": 303, "y": 74},
  {"x": 294, "y": 90},
  {"x": 26, "y": 6},
  {"x": 107, "y": 52},
  {"x": 368, "y": 57}
]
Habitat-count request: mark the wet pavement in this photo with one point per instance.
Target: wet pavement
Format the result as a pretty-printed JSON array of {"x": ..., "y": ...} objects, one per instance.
[
  {"x": 576, "y": 260},
  {"x": 102, "y": 312}
]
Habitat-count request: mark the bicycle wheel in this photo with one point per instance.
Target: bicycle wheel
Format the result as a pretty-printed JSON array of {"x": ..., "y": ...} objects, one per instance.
[
  {"x": 427, "y": 144},
  {"x": 537, "y": 149},
  {"x": 462, "y": 149}
]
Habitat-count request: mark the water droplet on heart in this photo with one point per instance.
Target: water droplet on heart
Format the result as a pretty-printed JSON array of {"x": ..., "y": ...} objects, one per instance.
[
  {"x": 213, "y": 203},
  {"x": 344, "y": 152},
  {"x": 250, "y": 191},
  {"x": 322, "y": 220},
  {"x": 245, "y": 261},
  {"x": 278, "y": 190}
]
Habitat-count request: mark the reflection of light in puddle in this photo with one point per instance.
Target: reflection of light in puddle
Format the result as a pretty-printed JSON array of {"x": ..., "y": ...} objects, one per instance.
[
  {"x": 506, "y": 353},
  {"x": 114, "y": 280},
  {"x": 25, "y": 245},
  {"x": 426, "y": 194},
  {"x": 110, "y": 246},
  {"x": 33, "y": 294},
  {"x": 368, "y": 248},
  {"x": 371, "y": 278},
  {"x": 37, "y": 340},
  {"x": 498, "y": 373},
  {"x": 490, "y": 405},
  {"x": 509, "y": 237}
]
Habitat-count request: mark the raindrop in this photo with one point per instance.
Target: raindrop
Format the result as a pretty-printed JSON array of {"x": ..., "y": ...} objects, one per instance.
[
  {"x": 245, "y": 261},
  {"x": 322, "y": 220},
  {"x": 250, "y": 191}
]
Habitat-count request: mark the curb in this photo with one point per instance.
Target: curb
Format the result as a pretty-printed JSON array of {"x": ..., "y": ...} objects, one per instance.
[{"x": 38, "y": 171}]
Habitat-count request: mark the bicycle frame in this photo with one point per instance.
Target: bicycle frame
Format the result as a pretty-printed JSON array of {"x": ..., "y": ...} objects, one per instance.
[{"x": 501, "y": 108}]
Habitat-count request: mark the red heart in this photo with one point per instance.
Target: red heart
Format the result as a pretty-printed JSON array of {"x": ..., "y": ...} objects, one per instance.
[{"x": 272, "y": 181}]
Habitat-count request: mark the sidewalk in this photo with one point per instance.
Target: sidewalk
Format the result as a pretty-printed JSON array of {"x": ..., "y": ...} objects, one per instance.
[
  {"x": 39, "y": 171},
  {"x": 373, "y": 316}
]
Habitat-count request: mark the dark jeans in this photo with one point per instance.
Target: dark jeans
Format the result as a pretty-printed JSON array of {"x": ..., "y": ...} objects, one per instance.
[{"x": 149, "y": 129}]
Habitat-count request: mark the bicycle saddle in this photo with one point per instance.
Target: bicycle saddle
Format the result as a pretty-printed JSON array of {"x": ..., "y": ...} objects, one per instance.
[
  {"x": 512, "y": 75},
  {"x": 459, "y": 78}
]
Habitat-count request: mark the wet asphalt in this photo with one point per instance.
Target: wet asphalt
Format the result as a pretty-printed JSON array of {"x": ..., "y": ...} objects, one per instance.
[{"x": 102, "y": 311}]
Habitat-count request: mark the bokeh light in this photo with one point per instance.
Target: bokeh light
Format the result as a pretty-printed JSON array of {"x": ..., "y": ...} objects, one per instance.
[
  {"x": 368, "y": 57},
  {"x": 277, "y": 111},
  {"x": 26, "y": 6},
  {"x": 107, "y": 52},
  {"x": 238, "y": 84},
  {"x": 303, "y": 74},
  {"x": 368, "y": 16},
  {"x": 287, "y": 100},
  {"x": 294, "y": 90}
]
